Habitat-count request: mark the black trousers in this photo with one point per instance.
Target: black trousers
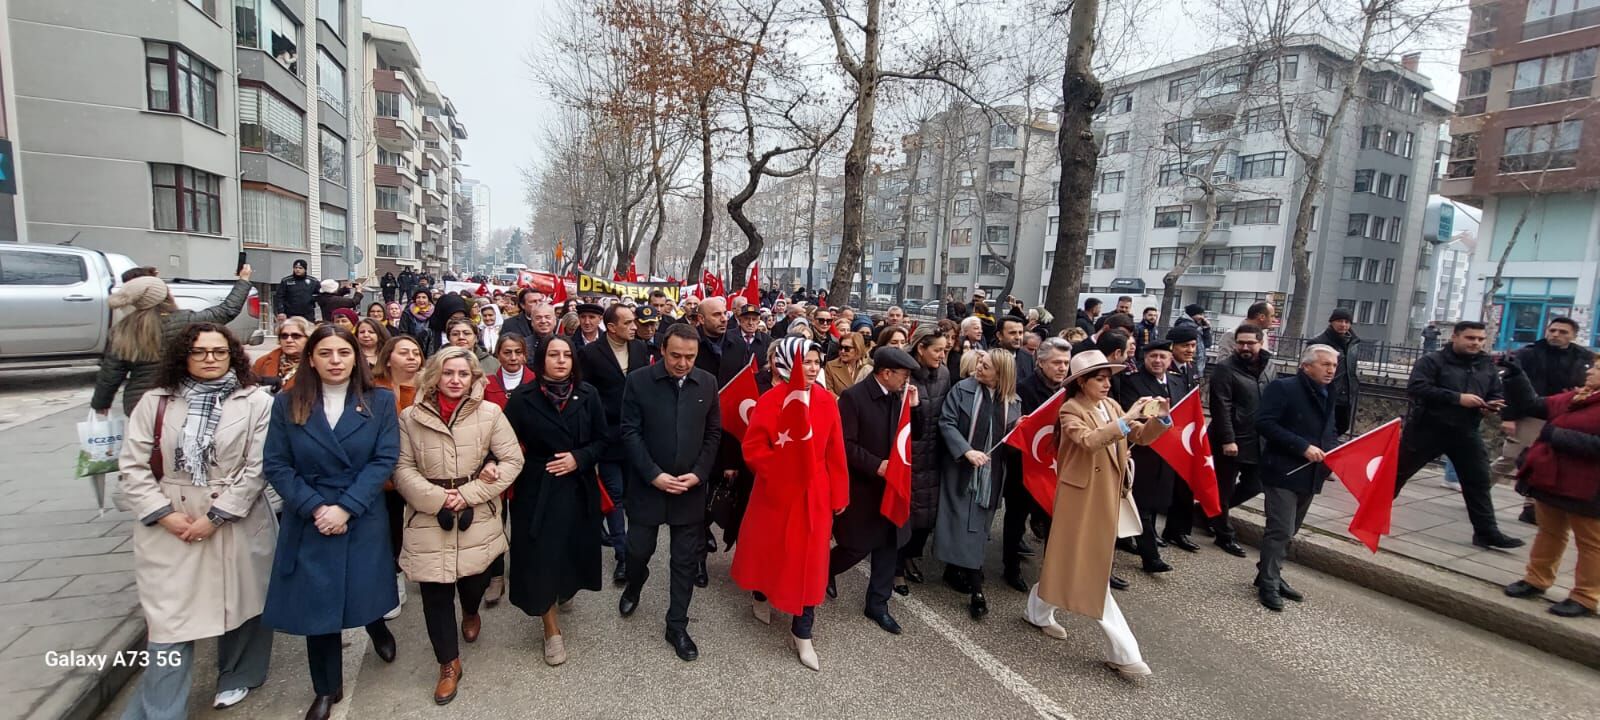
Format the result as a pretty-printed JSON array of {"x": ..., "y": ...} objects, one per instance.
[
  {"x": 1180, "y": 519},
  {"x": 325, "y": 655},
  {"x": 1420, "y": 445},
  {"x": 1237, "y": 482},
  {"x": 396, "y": 506},
  {"x": 1148, "y": 552},
  {"x": 686, "y": 548},
  {"x": 1343, "y": 415},
  {"x": 1020, "y": 506},
  {"x": 885, "y": 559},
  {"x": 915, "y": 546},
  {"x": 439, "y": 611}
]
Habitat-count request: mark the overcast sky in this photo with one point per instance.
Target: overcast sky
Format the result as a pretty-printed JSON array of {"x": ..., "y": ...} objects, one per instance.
[{"x": 475, "y": 50}]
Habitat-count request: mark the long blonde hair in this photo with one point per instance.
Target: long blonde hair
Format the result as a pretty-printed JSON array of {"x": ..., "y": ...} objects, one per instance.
[
  {"x": 428, "y": 381},
  {"x": 1005, "y": 374},
  {"x": 137, "y": 336}
]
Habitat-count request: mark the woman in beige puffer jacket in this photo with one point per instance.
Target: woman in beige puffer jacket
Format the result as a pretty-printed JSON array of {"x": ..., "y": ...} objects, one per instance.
[{"x": 457, "y": 455}]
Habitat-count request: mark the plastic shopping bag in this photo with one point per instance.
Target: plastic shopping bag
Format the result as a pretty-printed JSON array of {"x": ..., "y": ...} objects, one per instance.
[{"x": 99, "y": 441}]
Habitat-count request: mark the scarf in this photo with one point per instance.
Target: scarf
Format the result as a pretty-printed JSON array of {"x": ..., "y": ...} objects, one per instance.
[
  {"x": 783, "y": 357},
  {"x": 986, "y": 425},
  {"x": 196, "y": 451},
  {"x": 421, "y": 313},
  {"x": 447, "y": 407},
  {"x": 559, "y": 391},
  {"x": 286, "y": 366}
]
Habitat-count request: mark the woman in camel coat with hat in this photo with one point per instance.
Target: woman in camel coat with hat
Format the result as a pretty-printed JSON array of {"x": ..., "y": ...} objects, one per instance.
[{"x": 1093, "y": 438}]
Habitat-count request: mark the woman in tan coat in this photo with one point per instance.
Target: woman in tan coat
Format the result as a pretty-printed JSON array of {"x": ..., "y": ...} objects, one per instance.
[
  {"x": 1094, "y": 474},
  {"x": 850, "y": 367},
  {"x": 203, "y": 546},
  {"x": 457, "y": 455}
]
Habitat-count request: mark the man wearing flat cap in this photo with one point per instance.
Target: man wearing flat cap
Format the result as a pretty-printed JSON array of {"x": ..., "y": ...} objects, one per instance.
[
  {"x": 589, "y": 317},
  {"x": 1153, "y": 478},
  {"x": 870, "y": 414}
]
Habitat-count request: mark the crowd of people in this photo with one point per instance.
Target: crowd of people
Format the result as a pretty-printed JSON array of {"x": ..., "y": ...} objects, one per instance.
[{"x": 484, "y": 448}]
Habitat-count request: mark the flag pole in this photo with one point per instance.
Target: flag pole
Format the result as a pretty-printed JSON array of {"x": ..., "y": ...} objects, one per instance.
[
  {"x": 736, "y": 375},
  {"x": 1347, "y": 442}
]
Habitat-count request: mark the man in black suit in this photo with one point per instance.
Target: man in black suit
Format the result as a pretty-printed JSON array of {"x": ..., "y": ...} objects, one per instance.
[
  {"x": 606, "y": 366},
  {"x": 1153, "y": 478},
  {"x": 1296, "y": 422},
  {"x": 713, "y": 319},
  {"x": 869, "y": 413},
  {"x": 739, "y": 345},
  {"x": 671, "y": 425}
]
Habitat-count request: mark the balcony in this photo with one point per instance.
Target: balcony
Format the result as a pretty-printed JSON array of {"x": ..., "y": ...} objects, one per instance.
[
  {"x": 1554, "y": 92},
  {"x": 1195, "y": 192},
  {"x": 437, "y": 153},
  {"x": 395, "y": 134},
  {"x": 1204, "y": 277},
  {"x": 1221, "y": 100},
  {"x": 1221, "y": 230},
  {"x": 1472, "y": 106}
]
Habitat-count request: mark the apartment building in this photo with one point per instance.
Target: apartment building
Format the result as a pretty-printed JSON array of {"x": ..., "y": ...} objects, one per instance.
[
  {"x": 178, "y": 132},
  {"x": 1211, "y": 129},
  {"x": 470, "y": 244},
  {"x": 1526, "y": 149},
  {"x": 412, "y": 156},
  {"x": 800, "y": 221}
]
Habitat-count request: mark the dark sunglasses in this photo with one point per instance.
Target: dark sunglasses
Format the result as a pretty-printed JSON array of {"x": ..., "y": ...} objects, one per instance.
[{"x": 291, "y": 336}]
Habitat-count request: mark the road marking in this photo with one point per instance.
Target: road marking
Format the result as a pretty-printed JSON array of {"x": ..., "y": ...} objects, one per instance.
[{"x": 1009, "y": 679}]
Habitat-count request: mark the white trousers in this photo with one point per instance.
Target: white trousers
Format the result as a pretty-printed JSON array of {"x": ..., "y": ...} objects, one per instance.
[{"x": 1122, "y": 648}]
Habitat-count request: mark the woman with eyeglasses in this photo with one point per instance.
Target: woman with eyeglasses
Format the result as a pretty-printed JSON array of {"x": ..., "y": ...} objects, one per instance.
[
  {"x": 202, "y": 549},
  {"x": 379, "y": 313},
  {"x": 371, "y": 336},
  {"x": 850, "y": 367},
  {"x": 463, "y": 334},
  {"x": 399, "y": 364},
  {"x": 284, "y": 360},
  {"x": 332, "y": 443},
  {"x": 457, "y": 455}
]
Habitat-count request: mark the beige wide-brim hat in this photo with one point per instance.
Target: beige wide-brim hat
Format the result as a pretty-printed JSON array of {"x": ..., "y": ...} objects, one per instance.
[{"x": 1087, "y": 363}]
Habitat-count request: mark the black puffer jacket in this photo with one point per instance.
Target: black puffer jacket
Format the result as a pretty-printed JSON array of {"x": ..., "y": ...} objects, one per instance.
[
  {"x": 1553, "y": 371},
  {"x": 926, "y": 446},
  {"x": 1438, "y": 381},
  {"x": 1346, "y": 385},
  {"x": 1235, "y": 390}
]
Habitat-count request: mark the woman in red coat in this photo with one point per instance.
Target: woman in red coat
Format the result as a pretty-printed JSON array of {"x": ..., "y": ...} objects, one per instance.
[{"x": 782, "y": 555}]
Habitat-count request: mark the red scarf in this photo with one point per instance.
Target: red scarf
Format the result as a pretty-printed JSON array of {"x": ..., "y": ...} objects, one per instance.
[{"x": 447, "y": 407}]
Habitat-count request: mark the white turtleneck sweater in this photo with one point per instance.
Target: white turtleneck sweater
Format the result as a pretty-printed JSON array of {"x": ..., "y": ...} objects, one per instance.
[{"x": 333, "y": 401}]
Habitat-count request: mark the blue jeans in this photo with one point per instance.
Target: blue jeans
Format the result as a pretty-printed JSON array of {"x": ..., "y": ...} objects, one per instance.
[
  {"x": 1450, "y": 472},
  {"x": 616, "y": 521}
]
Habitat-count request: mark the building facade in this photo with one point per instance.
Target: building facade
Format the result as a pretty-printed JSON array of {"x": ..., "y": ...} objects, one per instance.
[
  {"x": 179, "y": 132},
  {"x": 1526, "y": 149},
  {"x": 411, "y": 154}
]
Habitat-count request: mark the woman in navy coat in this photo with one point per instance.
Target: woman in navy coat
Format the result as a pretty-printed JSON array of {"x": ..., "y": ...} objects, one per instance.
[{"x": 330, "y": 446}]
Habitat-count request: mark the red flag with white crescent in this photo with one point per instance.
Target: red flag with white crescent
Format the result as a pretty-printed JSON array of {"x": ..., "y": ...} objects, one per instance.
[
  {"x": 794, "y": 418},
  {"x": 896, "y": 504},
  {"x": 737, "y": 399},
  {"x": 1188, "y": 451},
  {"x": 1035, "y": 436},
  {"x": 1367, "y": 466},
  {"x": 752, "y": 287}
]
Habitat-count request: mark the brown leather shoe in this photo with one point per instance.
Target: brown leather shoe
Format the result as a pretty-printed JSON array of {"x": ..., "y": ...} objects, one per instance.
[
  {"x": 449, "y": 677},
  {"x": 471, "y": 625}
]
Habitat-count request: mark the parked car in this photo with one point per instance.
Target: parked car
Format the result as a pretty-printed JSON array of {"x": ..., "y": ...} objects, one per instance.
[
  {"x": 56, "y": 303},
  {"x": 930, "y": 308}
]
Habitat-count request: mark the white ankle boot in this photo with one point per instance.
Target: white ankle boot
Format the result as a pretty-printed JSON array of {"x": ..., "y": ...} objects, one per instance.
[
  {"x": 806, "y": 653},
  {"x": 762, "y": 610}
]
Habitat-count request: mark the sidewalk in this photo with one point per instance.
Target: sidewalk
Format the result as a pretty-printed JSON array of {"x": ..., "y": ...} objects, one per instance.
[{"x": 66, "y": 574}]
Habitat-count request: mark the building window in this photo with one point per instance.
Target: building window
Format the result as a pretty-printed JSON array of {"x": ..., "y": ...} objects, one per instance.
[
  {"x": 1553, "y": 78},
  {"x": 1383, "y": 312},
  {"x": 1395, "y": 226},
  {"x": 998, "y": 202},
  {"x": 1325, "y": 76},
  {"x": 1182, "y": 87},
  {"x": 331, "y": 13},
  {"x": 1179, "y": 132},
  {"x": 1171, "y": 216},
  {"x": 393, "y": 159},
  {"x": 958, "y": 266},
  {"x": 1003, "y": 136},
  {"x": 1402, "y": 187},
  {"x": 1351, "y": 269},
  {"x": 1252, "y": 212},
  {"x": 886, "y": 245},
  {"x": 1003, "y": 171},
  {"x": 1229, "y": 303},
  {"x": 1171, "y": 173},
  {"x": 1106, "y": 221},
  {"x": 1120, "y": 103},
  {"x": 1548, "y": 17},
  {"x": 1166, "y": 258},
  {"x": 394, "y": 199},
  {"x": 993, "y": 266},
  {"x": 333, "y": 230},
  {"x": 919, "y": 212},
  {"x": 209, "y": 7},
  {"x": 1364, "y": 312},
  {"x": 964, "y": 207},
  {"x": 272, "y": 219},
  {"x": 1104, "y": 260},
  {"x": 1376, "y": 227},
  {"x": 1371, "y": 136},
  {"x": 1053, "y": 230},
  {"x": 394, "y": 105},
  {"x": 1363, "y": 181},
  {"x": 396, "y": 245},
  {"x": 1357, "y": 224},
  {"x": 332, "y": 154},
  {"x": 961, "y": 237},
  {"x": 997, "y": 235},
  {"x": 964, "y": 178},
  {"x": 1263, "y": 119},
  {"x": 1254, "y": 258},
  {"x": 1391, "y": 142},
  {"x": 1377, "y": 90},
  {"x": 1262, "y": 165},
  {"x": 269, "y": 124},
  {"x": 1385, "y": 186},
  {"x": 1369, "y": 271},
  {"x": 262, "y": 25},
  {"x": 919, "y": 240},
  {"x": 186, "y": 199},
  {"x": 330, "y": 81},
  {"x": 1055, "y": 191},
  {"x": 917, "y": 266},
  {"x": 888, "y": 266},
  {"x": 1319, "y": 123},
  {"x": 178, "y": 81},
  {"x": 1111, "y": 182},
  {"x": 1408, "y": 145},
  {"x": 1388, "y": 271},
  {"x": 1463, "y": 156},
  {"x": 1541, "y": 147},
  {"x": 1115, "y": 143}
]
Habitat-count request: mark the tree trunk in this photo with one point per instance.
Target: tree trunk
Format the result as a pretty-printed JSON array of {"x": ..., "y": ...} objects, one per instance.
[
  {"x": 741, "y": 262},
  {"x": 811, "y": 230},
  {"x": 707, "y": 192},
  {"x": 855, "y": 163},
  {"x": 1498, "y": 279},
  {"x": 1300, "y": 252},
  {"x": 1079, "y": 157}
]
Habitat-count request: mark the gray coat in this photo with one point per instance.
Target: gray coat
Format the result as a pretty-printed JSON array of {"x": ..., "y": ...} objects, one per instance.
[
  {"x": 141, "y": 376},
  {"x": 962, "y": 532}
]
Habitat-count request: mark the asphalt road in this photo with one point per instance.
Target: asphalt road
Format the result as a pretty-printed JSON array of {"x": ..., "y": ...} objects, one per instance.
[{"x": 1345, "y": 653}]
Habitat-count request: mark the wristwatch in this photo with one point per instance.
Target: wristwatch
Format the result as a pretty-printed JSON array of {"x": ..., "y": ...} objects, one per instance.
[{"x": 217, "y": 519}]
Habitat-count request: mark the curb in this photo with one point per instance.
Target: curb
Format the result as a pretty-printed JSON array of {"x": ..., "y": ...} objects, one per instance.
[
  {"x": 1475, "y": 602},
  {"x": 83, "y": 694}
]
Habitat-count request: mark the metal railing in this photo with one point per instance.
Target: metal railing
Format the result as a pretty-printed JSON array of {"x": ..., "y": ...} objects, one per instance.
[{"x": 1376, "y": 359}]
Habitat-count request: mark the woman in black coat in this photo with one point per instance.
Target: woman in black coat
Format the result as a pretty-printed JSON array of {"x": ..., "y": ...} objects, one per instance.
[
  {"x": 555, "y": 510},
  {"x": 932, "y": 379}
]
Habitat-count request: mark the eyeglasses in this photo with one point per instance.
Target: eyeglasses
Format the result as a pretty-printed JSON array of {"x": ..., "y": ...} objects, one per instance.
[
  {"x": 291, "y": 336},
  {"x": 203, "y": 354}
]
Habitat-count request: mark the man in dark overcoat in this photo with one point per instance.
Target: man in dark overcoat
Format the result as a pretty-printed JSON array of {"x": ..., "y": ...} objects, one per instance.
[
  {"x": 731, "y": 486},
  {"x": 606, "y": 366},
  {"x": 870, "y": 414},
  {"x": 671, "y": 425},
  {"x": 1153, "y": 478},
  {"x": 1296, "y": 424}
]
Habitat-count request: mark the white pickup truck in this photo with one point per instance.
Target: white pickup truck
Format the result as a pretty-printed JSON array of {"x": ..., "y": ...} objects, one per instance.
[{"x": 54, "y": 309}]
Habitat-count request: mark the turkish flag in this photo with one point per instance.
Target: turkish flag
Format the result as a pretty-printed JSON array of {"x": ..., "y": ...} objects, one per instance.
[
  {"x": 1035, "y": 436},
  {"x": 752, "y": 288},
  {"x": 1188, "y": 451},
  {"x": 794, "y": 420},
  {"x": 1366, "y": 466},
  {"x": 558, "y": 294},
  {"x": 526, "y": 278},
  {"x": 606, "y": 503},
  {"x": 483, "y": 290},
  {"x": 633, "y": 272},
  {"x": 737, "y": 399},
  {"x": 712, "y": 283},
  {"x": 672, "y": 280},
  {"x": 896, "y": 503}
]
